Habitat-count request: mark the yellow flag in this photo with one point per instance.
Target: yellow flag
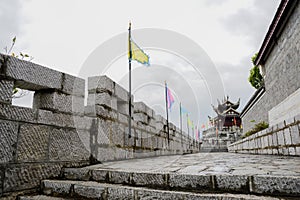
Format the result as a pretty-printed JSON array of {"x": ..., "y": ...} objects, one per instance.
[{"x": 138, "y": 54}]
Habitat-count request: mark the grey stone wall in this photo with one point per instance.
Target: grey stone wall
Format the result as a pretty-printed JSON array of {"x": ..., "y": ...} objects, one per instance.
[
  {"x": 282, "y": 70},
  {"x": 59, "y": 131},
  {"x": 258, "y": 113},
  {"x": 281, "y": 139}
]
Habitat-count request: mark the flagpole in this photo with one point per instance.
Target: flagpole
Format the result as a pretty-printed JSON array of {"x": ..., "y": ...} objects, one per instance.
[
  {"x": 180, "y": 122},
  {"x": 168, "y": 131},
  {"x": 129, "y": 95},
  {"x": 187, "y": 123}
]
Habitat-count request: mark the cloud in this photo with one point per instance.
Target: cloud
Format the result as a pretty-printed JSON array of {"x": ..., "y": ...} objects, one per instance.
[
  {"x": 251, "y": 22},
  {"x": 10, "y": 22}
]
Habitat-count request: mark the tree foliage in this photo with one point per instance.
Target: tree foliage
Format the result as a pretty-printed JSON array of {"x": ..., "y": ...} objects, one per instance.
[{"x": 255, "y": 78}]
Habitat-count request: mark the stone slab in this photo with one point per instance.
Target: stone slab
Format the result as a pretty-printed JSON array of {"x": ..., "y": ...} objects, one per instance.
[
  {"x": 90, "y": 190},
  {"x": 98, "y": 84},
  {"x": 149, "y": 179},
  {"x": 273, "y": 185},
  {"x": 6, "y": 91},
  {"x": 16, "y": 113},
  {"x": 26, "y": 176},
  {"x": 33, "y": 143},
  {"x": 8, "y": 140},
  {"x": 232, "y": 183},
  {"x": 197, "y": 182},
  {"x": 73, "y": 85},
  {"x": 32, "y": 76}
]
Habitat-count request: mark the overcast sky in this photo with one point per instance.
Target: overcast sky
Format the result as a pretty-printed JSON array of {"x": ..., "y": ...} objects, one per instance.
[{"x": 63, "y": 34}]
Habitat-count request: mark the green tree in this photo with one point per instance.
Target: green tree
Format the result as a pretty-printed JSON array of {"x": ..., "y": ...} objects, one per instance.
[{"x": 255, "y": 78}]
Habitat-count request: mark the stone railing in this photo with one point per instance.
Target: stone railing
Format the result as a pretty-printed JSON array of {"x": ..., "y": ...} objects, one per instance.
[
  {"x": 59, "y": 131},
  {"x": 281, "y": 139}
]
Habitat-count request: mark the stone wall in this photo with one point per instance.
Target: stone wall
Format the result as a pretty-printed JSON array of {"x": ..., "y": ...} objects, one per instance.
[
  {"x": 282, "y": 72},
  {"x": 59, "y": 131},
  {"x": 281, "y": 139}
]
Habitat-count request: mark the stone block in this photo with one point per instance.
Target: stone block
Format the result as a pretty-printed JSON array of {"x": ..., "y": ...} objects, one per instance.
[
  {"x": 280, "y": 138},
  {"x": 6, "y": 91},
  {"x": 295, "y": 134},
  {"x": 149, "y": 179},
  {"x": 73, "y": 85},
  {"x": 56, "y": 119},
  {"x": 66, "y": 145},
  {"x": 54, "y": 187},
  {"x": 122, "y": 118},
  {"x": 276, "y": 185},
  {"x": 106, "y": 154},
  {"x": 26, "y": 176},
  {"x": 103, "y": 132},
  {"x": 33, "y": 143},
  {"x": 32, "y": 76},
  {"x": 89, "y": 190},
  {"x": 17, "y": 113},
  {"x": 98, "y": 84},
  {"x": 292, "y": 151},
  {"x": 140, "y": 107},
  {"x": 53, "y": 101},
  {"x": 121, "y": 93},
  {"x": 233, "y": 183},
  {"x": 82, "y": 174},
  {"x": 117, "y": 134},
  {"x": 140, "y": 117},
  {"x": 297, "y": 151},
  {"x": 121, "y": 193},
  {"x": 123, "y": 108},
  {"x": 100, "y": 175},
  {"x": 119, "y": 177},
  {"x": 105, "y": 113},
  {"x": 287, "y": 136},
  {"x": 8, "y": 140},
  {"x": 83, "y": 123},
  {"x": 190, "y": 181},
  {"x": 102, "y": 99},
  {"x": 275, "y": 139}
]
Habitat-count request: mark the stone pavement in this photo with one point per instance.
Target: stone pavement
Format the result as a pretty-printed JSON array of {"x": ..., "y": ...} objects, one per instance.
[
  {"x": 193, "y": 176},
  {"x": 211, "y": 164}
]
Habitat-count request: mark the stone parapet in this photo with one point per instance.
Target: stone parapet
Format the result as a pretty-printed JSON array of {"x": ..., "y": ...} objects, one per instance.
[
  {"x": 280, "y": 139},
  {"x": 59, "y": 131}
]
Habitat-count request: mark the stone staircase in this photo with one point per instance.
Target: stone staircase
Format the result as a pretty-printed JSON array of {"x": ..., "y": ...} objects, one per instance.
[{"x": 99, "y": 183}]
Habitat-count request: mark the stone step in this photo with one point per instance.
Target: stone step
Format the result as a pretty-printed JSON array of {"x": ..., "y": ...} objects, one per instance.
[
  {"x": 41, "y": 197},
  {"x": 95, "y": 190},
  {"x": 245, "y": 184}
]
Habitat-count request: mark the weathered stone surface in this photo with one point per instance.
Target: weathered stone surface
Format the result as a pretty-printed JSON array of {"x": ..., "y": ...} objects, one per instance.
[
  {"x": 65, "y": 145},
  {"x": 103, "y": 99},
  {"x": 276, "y": 185},
  {"x": 73, "y": 85},
  {"x": 82, "y": 174},
  {"x": 33, "y": 143},
  {"x": 57, "y": 187},
  {"x": 53, "y": 101},
  {"x": 40, "y": 197},
  {"x": 198, "y": 182},
  {"x": 89, "y": 190},
  {"x": 295, "y": 134},
  {"x": 106, "y": 153},
  {"x": 17, "y": 113},
  {"x": 32, "y": 76},
  {"x": 121, "y": 93},
  {"x": 84, "y": 123},
  {"x": 149, "y": 179},
  {"x": 117, "y": 134},
  {"x": 98, "y": 84},
  {"x": 100, "y": 175},
  {"x": 123, "y": 107},
  {"x": 21, "y": 177},
  {"x": 105, "y": 113},
  {"x": 6, "y": 91},
  {"x": 121, "y": 193},
  {"x": 140, "y": 117},
  {"x": 120, "y": 177},
  {"x": 8, "y": 140},
  {"x": 234, "y": 183}
]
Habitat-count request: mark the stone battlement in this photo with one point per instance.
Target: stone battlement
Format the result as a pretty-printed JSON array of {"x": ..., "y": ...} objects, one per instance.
[{"x": 60, "y": 131}]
